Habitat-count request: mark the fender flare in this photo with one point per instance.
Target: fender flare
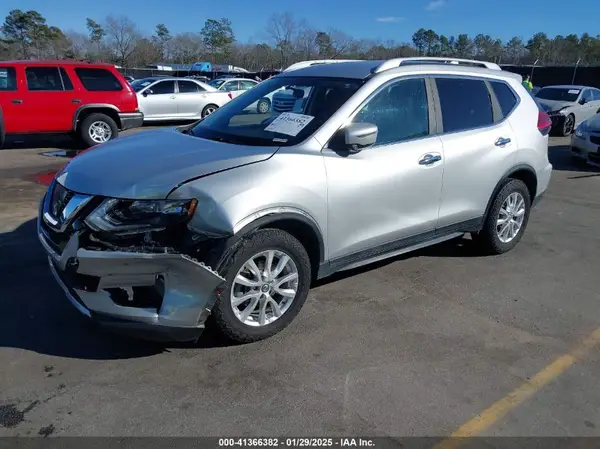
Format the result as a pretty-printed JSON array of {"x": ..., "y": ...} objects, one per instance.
[
  {"x": 249, "y": 225},
  {"x": 80, "y": 109},
  {"x": 507, "y": 174}
]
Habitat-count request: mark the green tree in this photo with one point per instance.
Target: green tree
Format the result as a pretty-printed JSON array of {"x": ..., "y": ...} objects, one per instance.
[
  {"x": 161, "y": 38},
  {"x": 27, "y": 30},
  {"x": 419, "y": 39},
  {"x": 538, "y": 47},
  {"x": 431, "y": 42},
  {"x": 96, "y": 33},
  {"x": 514, "y": 50},
  {"x": 217, "y": 35},
  {"x": 464, "y": 46}
]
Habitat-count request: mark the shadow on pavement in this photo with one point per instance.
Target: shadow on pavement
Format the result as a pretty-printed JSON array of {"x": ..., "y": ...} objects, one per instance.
[
  {"x": 561, "y": 160},
  {"x": 51, "y": 141},
  {"x": 37, "y": 317}
]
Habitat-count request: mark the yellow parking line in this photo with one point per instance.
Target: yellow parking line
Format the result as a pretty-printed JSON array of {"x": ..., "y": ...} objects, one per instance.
[{"x": 500, "y": 408}]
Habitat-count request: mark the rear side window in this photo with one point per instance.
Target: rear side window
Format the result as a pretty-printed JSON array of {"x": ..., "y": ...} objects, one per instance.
[
  {"x": 43, "y": 78},
  {"x": 465, "y": 104},
  {"x": 186, "y": 87},
  {"x": 505, "y": 96},
  {"x": 65, "y": 79},
  {"x": 98, "y": 80},
  {"x": 8, "y": 79}
]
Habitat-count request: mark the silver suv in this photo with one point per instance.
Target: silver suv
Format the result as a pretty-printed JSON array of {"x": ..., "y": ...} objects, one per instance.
[{"x": 232, "y": 217}]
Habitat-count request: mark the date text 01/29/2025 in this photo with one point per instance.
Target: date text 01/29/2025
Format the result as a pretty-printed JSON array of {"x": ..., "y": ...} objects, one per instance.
[{"x": 296, "y": 442}]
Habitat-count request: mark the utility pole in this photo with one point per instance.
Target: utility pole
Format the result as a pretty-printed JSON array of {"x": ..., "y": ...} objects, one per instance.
[
  {"x": 575, "y": 71},
  {"x": 532, "y": 69}
]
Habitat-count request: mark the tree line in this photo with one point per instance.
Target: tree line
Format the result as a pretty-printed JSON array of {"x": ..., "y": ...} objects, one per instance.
[{"x": 288, "y": 39}]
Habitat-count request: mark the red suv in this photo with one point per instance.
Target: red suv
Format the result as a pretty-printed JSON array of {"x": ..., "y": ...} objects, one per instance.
[{"x": 89, "y": 101}]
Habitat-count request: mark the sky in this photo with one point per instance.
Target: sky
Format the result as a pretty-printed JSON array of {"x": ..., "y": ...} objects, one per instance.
[{"x": 369, "y": 19}]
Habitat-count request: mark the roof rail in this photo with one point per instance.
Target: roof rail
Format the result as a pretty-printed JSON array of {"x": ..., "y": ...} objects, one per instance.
[
  {"x": 303, "y": 64},
  {"x": 397, "y": 62}
]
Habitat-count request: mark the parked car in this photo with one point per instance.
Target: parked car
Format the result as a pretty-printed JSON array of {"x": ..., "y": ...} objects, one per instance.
[
  {"x": 235, "y": 86},
  {"x": 92, "y": 102},
  {"x": 129, "y": 79},
  {"x": 171, "y": 98},
  {"x": 236, "y": 215},
  {"x": 568, "y": 106},
  {"x": 585, "y": 142}
]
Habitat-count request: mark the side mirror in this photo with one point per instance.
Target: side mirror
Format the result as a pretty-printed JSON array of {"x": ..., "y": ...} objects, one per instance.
[
  {"x": 147, "y": 92},
  {"x": 583, "y": 101},
  {"x": 359, "y": 135}
]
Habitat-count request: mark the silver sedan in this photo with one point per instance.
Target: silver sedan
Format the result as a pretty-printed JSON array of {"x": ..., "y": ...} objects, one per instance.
[{"x": 172, "y": 99}]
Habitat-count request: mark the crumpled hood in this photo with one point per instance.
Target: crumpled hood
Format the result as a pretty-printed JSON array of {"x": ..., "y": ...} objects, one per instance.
[
  {"x": 552, "y": 105},
  {"x": 148, "y": 165}
]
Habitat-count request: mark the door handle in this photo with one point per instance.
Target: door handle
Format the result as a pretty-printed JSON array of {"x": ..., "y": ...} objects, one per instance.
[
  {"x": 76, "y": 101},
  {"x": 429, "y": 159},
  {"x": 172, "y": 97},
  {"x": 17, "y": 101},
  {"x": 502, "y": 141}
]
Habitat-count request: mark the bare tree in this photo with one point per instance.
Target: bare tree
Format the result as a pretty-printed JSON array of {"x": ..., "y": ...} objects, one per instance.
[
  {"x": 282, "y": 29},
  {"x": 305, "y": 41},
  {"x": 185, "y": 48},
  {"x": 122, "y": 35}
]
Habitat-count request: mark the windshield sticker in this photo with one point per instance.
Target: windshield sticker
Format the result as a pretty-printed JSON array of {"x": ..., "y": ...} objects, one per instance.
[
  {"x": 289, "y": 123},
  {"x": 574, "y": 91},
  {"x": 280, "y": 140}
]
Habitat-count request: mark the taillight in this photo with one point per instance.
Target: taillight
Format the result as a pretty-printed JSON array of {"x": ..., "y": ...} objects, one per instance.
[
  {"x": 544, "y": 123},
  {"x": 230, "y": 95}
]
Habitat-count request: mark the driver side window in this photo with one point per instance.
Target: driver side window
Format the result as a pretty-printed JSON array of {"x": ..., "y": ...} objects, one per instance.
[
  {"x": 163, "y": 87},
  {"x": 587, "y": 95},
  {"x": 399, "y": 110}
]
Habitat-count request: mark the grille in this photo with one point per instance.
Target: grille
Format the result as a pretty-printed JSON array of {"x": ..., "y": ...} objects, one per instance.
[
  {"x": 595, "y": 139},
  {"x": 283, "y": 103},
  {"x": 59, "y": 199}
]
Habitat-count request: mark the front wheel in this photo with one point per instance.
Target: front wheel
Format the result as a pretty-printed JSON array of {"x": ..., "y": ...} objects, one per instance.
[
  {"x": 568, "y": 125},
  {"x": 268, "y": 279},
  {"x": 263, "y": 106},
  {"x": 507, "y": 219}
]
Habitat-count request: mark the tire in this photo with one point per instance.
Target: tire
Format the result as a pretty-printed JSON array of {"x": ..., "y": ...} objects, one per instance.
[
  {"x": 263, "y": 106},
  {"x": 568, "y": 125},
  {"x": 209, "y": 109},
  {"x": 99, "y": 121},
  {"x": 225, "y": 318},
  {"x": 488, "y": 238}
]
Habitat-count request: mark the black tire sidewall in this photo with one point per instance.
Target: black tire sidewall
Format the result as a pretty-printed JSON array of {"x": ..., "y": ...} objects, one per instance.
[
  {"x": 263, "y": 101},
  {"x": 563, "y": 131},
  {"x": 84, "y": 129},
  {"x": 489, "y": 234},
  {"x": 262, "y": 240},
  {"x": 208, "y": 106}
]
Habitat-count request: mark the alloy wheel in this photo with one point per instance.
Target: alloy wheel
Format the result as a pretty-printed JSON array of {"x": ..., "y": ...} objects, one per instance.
[
  {"x": 264, "y": 288},
  {"x": 100, "y": 132},
  {"x": 510, "y": 217}
]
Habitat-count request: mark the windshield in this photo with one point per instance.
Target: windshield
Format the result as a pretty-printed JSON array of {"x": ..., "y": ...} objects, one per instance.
[
  {"x": 282, "y": 111},
  {"x": 558, "y": 94},
  {"x": 138, "y": 85}
]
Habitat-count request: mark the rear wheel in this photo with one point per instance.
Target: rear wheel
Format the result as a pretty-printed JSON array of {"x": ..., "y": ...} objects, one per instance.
[
  {"x": 507, "y": 219},
  {"x": 209, "y": 109},
  {"x": 268, "y": 279},
  {"x": 263, "y": 106},
  {"x": 98, "y": 128}
]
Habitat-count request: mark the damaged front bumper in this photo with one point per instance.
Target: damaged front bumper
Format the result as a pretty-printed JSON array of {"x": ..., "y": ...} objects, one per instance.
[{"x": 103, "y": 284}]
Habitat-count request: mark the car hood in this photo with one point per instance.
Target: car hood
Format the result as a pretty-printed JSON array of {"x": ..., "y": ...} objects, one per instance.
[
  {"x": 593, "y": 124},
  {"x": 552, "y": 105},
  {"x": 148, "y": 165}
]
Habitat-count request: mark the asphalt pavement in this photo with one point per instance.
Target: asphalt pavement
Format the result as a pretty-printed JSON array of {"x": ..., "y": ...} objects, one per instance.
[{"x": 414, "y": 346}]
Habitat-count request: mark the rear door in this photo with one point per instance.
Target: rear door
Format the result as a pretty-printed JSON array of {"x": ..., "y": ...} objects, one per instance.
[
  {"x": 232, "y": 87},
  {"x": 191, "y": 98},
  {"x": 99, "y": 85},
  {"x": 246, "y": 85},
  {"x": 479, "y": 144},
  {"x": 49, "y": 101},
  {"x": 159, "y": 101},
  {"x": 11, "y": 100}
]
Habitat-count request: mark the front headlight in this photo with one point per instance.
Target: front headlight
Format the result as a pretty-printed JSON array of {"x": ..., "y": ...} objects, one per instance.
[
  {"x": 580, "y": 131},
  {"x": 130, "y": 216}
]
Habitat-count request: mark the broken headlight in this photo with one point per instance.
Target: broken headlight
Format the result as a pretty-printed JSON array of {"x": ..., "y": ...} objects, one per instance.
[{"x": 132, "y": 216}]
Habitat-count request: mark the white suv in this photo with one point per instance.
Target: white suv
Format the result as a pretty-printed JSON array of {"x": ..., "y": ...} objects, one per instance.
[{"x": 374, "y": 159}]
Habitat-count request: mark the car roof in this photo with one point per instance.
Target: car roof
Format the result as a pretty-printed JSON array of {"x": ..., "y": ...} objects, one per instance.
[
  {"x": 364, "y": 69},
  {"x": 56, "y": 62},
  {"x": 568, "y": 86}
]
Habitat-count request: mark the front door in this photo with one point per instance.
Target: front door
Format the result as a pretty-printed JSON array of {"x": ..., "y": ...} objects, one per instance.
[
  {"x": 11, "y": 100},
  {"x": 49, "y": 101},
  {"x": 159, "y": 101},
  {"x": 391, "y": 190}
]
